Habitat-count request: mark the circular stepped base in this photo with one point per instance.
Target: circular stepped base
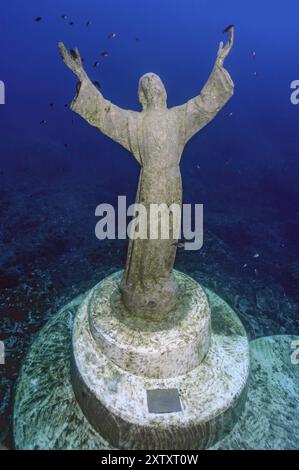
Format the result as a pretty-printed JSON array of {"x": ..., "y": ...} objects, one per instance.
[
  {"x": 47, "y": 415},
  {"x": 155, "y": 349},
  {"x": 177, "y": 400}
]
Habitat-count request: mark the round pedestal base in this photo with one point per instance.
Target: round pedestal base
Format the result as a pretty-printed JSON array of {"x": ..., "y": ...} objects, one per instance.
[
  {"x": 174, "y": 411},
  {"x": 148, "y": 348},
  {"x": 47, "y": 414}
]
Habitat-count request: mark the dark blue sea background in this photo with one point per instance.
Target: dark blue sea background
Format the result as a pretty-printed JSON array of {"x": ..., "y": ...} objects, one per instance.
[{"x": 243, "y": 166}]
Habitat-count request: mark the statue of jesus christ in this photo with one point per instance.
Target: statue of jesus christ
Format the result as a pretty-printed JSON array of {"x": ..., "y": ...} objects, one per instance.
[{"x": 156, "y": 137}]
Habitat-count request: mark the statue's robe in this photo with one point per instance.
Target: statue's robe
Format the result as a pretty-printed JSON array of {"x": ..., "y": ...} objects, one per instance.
[{"x": 156, "y": 138}]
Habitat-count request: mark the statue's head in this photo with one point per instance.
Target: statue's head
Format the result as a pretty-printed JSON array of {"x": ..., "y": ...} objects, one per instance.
[{"x": 152, "y": 93}]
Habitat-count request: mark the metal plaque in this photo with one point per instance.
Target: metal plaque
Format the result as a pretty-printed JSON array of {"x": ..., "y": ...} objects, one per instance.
[{"x": 163, "y": 400}]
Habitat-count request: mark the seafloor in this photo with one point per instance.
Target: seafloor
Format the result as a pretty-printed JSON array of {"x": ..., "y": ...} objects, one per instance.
[{"x": 49, "y": 255}]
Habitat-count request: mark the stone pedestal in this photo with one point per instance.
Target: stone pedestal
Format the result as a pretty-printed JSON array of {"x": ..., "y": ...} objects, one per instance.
[
  {"x": 168, "y": 385},
  {"x": 180, "y": 384}
]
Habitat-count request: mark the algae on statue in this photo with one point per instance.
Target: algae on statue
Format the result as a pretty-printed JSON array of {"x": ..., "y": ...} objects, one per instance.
[{"x": 156, "y": 137}]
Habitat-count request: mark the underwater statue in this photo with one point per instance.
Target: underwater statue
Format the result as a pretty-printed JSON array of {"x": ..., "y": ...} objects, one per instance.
[{"x": 156, "y": 137}]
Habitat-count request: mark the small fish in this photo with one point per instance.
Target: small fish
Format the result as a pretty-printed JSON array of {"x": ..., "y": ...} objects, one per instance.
[
  {"x": 88, "y": 23},
  {"x": 97, "y": 85},
  {"x": 71, "y": 23},
  {"x": 43, "y": 121},
  {"x": 256, "y": 255},
  {"x": 51, "y": 105},
  {"x": 255, "y": 74},
  {"x": 253, "y": 54},
  {"x": 112, "y": 35},
  {"x": 245, "y": 265},
  {"x": 66, "y": 105},
  {"x": 230, "y": 114},
  {"x": 97, "y": 63},
  {"x": 198, "y": 167},
  {"x": 104, "y": 54},
  {"x": 38, "y": 18},
  {"x": 179, "y": 244},
  {"x": 228, "y": 28},
  {"x": 74, "y": 53},
  {"x": 64, "y": 17}
]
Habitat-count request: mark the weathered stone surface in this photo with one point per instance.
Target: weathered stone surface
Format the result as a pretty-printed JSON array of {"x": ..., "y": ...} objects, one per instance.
[
  {"x": 271, "y": 414},
  {"x": 143, "y": 347},
  {"x": 47, "y": 416},
  {"x": 156, "y": 137}
]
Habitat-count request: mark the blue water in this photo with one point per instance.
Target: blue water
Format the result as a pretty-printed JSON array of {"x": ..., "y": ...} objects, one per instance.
[
  {"x": 243, "y": 166},
  {"x": 178, "y": 40}
]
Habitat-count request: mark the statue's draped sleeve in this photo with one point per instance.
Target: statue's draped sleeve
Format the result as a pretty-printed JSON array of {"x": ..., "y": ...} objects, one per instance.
[
  {"x": 117, "y": 123},
  {"x": 199, "y": 111}
]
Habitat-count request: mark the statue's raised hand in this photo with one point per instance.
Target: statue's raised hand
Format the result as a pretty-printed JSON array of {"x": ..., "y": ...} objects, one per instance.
[
  {"x": 73, "y": 61},
  {"x": 223, "y": 51}
]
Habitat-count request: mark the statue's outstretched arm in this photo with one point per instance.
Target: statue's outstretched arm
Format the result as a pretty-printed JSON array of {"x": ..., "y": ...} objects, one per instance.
[
  {"x": 219, "y": 88},
  {"x": 115, "y": 122}
]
